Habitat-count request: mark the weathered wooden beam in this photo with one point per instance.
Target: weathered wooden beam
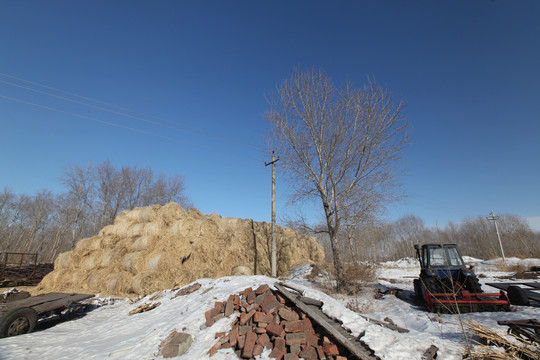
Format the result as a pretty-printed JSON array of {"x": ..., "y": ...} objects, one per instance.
[{"x": 385, "y": 324}]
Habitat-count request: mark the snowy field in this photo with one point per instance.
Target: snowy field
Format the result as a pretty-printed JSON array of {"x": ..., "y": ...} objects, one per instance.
[{"x": 109, "y": 332}]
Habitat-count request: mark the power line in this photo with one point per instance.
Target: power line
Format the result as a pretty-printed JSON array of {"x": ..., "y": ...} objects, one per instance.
[
  {"x": 127, "y": 127},
  {"x": 182, "y": 128}
]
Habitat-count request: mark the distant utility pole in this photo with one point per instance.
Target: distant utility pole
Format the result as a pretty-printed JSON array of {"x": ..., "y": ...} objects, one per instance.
[
  {"x": 494, "y": 218},
  {"x": 273, "y": 256}
]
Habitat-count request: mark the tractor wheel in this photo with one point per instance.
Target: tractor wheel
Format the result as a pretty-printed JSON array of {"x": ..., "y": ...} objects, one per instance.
[
  {"x": 473, "y": 285},
  {"x": 430, "y": 284},
  {"x": 417, "y": 288},
  {"x": 18, "y": 321},
  {"x": 517, "y": 295}
]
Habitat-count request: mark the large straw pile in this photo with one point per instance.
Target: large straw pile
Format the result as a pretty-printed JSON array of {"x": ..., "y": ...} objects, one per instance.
[{"x": 153, "y": 248}]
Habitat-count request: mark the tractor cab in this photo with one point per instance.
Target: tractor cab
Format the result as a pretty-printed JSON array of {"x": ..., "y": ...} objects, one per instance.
[{"x": 437, "y": 255}]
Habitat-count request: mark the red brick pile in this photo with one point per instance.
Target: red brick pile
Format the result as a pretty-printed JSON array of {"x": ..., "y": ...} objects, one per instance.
[{"x": 266, "y": 322}]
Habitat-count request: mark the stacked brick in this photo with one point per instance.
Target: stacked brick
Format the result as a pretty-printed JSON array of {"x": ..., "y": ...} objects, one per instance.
[{"x": 265, "y": 321}]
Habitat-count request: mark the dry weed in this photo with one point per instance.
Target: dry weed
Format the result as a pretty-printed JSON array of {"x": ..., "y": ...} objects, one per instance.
[{"x": 493, "y": 344}]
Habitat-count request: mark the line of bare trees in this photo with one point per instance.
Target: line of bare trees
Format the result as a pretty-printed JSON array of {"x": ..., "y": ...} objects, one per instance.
[
  {"x": 49, "y": 223},
  {"x": 476, "y": 237}
]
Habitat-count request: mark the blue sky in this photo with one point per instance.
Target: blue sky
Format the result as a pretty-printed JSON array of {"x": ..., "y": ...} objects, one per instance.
[{"x": 469, "y": 71}]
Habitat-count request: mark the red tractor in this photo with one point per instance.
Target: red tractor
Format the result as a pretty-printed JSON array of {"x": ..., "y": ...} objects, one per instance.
[{"x": 447, "y": 285}]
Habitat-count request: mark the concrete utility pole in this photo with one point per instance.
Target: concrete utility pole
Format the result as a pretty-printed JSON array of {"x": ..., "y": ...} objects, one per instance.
[
  {"x": 273, "y": 255},
  {"x": 494, "y": 219}
]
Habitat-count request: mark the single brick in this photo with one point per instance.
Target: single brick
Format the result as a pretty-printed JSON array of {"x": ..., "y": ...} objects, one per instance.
[
  {"x": 259, "y": 330},
  {"x": 246, "y": 292},
  {"x": 249, "y": 344},
  {"x": 295, "y": 338},
  {"x": 277, "y": 354},
  {"x": 241, "y": 340},
  {"x": 252, "y": 307},
  {"x": 262, "y": 317},
  {"x": 263, "y": 340},
  {"x": 331, "y": 350},
  {"x": 233, "y": 336},
  {"x": 320, "y": 352},
  {"x": 268, "y": 299},
  {"x": 210, "y": 322},
  {"x": 298, "y": 326},
  {"x": 229, "y": 308},
  {"x": 261, "y": 289},
  {"x": 258, "y": 349},
  {"x": 341, "y": 358},
  {"x": 275, "y": 329},
  {"x": 244, "y": 317},
  {"x": 218, "y": 317},
  {"x": 279, "y": 343},
  {"x": 262, "y": 325},
  {"x": 251, "y": 297},
  {"x": 312, "y": 339},
  {"x": 309, "y": 353},
  {"x": 219, "y": 334},
  {"x": 213, "y": 350},
  {"x": 211, "y": 313},
  {"x": 271, "y": 306},
  {"x": 220, "y": 306},
  {"x": 242, "y": 330},
  {"x": 295, "y": 349},
  {"x": 288, "y": 314},
  {"x": 260, "y": 298}
]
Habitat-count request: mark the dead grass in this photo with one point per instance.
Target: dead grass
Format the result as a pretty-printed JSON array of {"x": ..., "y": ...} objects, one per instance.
[
  {"x": 506, "y": 267},
  {"x": 494, "y": 345}
]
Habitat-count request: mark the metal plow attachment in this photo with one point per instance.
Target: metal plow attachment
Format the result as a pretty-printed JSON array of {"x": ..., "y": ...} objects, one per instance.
[{"x": 465, "y": 301}]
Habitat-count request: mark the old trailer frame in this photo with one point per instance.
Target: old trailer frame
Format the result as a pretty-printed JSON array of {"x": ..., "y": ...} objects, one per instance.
[{"x": 21, "y": 316}]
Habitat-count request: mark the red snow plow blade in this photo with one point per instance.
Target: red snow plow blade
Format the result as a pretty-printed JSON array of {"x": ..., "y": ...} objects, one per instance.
[{"x": 465, "y": 301}]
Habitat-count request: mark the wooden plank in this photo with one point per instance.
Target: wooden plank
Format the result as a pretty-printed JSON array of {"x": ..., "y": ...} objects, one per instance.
[
  {"x": 388, "y": 325},
  {"x": 309, "y": 301},
  {"x": 61, "y": 303},
  {"x": 323, "y": 321}
]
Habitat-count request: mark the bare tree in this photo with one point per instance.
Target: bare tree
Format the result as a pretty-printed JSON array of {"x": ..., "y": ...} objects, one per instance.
[
  {"x": 340, "y": 146},
  {"x": 79, "y": 182}
]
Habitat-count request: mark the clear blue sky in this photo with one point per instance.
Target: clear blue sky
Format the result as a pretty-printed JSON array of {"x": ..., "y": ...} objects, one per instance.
[{"x": 469, "y": 71}]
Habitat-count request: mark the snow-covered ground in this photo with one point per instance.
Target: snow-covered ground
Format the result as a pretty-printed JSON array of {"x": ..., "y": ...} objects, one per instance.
[{"x": 110, "y": 332}]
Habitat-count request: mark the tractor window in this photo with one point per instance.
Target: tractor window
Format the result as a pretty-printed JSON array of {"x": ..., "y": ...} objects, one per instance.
[
  {"x": 453, "y": 257},
  {"x": 437, "y": 257}
]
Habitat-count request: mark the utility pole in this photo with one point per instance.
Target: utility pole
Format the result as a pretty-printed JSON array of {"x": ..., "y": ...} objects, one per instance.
[
  {"x": 494, "y": 218},
  {"x": 273, "y": 261}
]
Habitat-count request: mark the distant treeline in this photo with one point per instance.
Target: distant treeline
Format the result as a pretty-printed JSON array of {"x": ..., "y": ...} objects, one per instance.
[
  {"x": 475, "y": 237},
  {"x": 49, "y": 223}
]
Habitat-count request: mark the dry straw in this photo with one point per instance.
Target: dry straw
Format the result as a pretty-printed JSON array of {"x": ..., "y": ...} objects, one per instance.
[
  {"x": 158, "y": 247},
  {"x": 501, "y": 347}
]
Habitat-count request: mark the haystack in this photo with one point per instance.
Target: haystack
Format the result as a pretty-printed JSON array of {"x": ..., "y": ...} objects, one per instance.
[{"x": 159, "y": 247}]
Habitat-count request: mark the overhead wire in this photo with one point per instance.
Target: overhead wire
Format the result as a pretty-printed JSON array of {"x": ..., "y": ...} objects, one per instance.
[
  {"x": 127, "y": 127},
  {"x": 178, "y": 127}
]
